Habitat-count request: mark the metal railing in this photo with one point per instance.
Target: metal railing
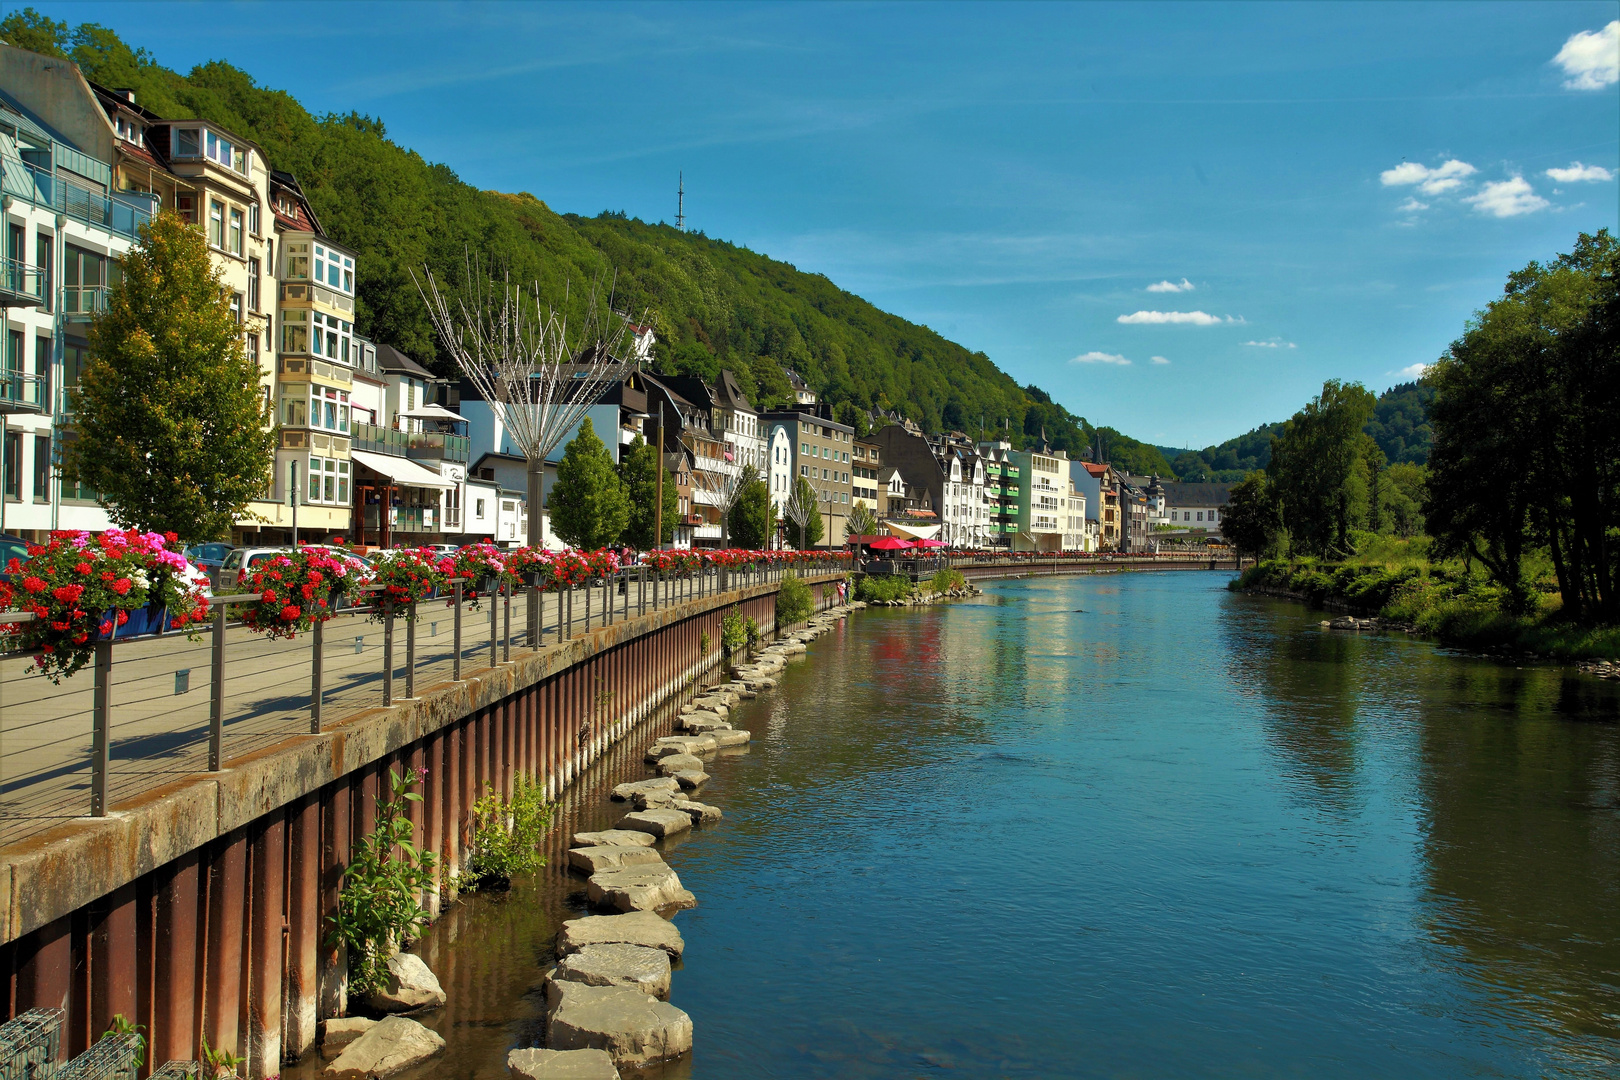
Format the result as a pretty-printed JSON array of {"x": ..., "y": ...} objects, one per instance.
[
  {"x": 437, "y": 446},
  {"x": 20, "y": 279},
  {"x": 113, "y": 212},
  {"x": 379, "y": 440},
  {"x": 151, "y": 710},
  {"x": 81, "y": 303},
  {"x": 22, "y": 391}
]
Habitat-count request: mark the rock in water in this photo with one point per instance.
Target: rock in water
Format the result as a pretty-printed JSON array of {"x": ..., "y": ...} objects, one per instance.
[
  {"x": 633, "y": 1028},
  {"x": 636, "y": 928},
  {"x": 733, "y": 737},
  {"x": 615, "y": 838},
  {"x": 635, "y": 966},
  {"x": 561, "y": 1065},
  {"x": 692, "y": 779},
  {"x": 340, "y": 1031},
  {"x": 679, "y": 763},
  {"x": 629, "y": 791},
  {"x": 657, "y": 822},
  {"x": 639, "y": 888},
  {"x": 391, "y": 1045},
  {"x": 701, "y": 813},
  {"x": 411, "y": 986},
  {"x": 616, "y": 857}
]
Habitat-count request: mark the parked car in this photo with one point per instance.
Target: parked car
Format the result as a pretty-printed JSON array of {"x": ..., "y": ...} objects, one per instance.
[
  {"x": 11, "y": 547},
  {"x": 444, "y": 549},
  {"x": 209, "y": 558},
  {"x": 239, "y": 563}
]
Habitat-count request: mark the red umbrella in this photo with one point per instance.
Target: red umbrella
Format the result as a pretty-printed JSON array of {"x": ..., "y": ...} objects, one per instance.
[
  {"x": 890, "y": 543},
  {"x": 927, "y": 543}
]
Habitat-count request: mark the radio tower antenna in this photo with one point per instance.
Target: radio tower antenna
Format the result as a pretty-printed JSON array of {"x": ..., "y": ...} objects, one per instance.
[{"x": 680, "y": 204}]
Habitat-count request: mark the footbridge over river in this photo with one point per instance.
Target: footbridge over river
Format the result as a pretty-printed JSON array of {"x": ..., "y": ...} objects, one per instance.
[{"x": 175, "y": 823}]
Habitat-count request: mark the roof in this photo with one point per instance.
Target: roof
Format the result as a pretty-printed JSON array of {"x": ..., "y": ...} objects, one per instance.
[
  {"x": 1177, "y": 494},
  {"x": 1095, "y": 469},
  {"x": 731, "y": 391},
  {"x": 391, "y": 360},
  {"x": 302, "y": 209}
]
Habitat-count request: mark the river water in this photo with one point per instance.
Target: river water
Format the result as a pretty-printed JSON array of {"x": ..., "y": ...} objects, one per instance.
[{"x": 1125, "y": 826}]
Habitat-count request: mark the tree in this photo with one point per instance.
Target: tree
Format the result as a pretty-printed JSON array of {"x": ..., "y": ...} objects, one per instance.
[
  {"x": 801, "y": 510},
  {"x": 862, "y": 521},
  {"x": 1404, "y": 490},
  {"x": 172, "y": 428},
  {"x": 1251, "y": 518},
  {"x": 638, "y": 473},
  {"x": 1526, "y": 448},
  {"x": 1319, "y": 470},
  {"x": 752, "y": 517},
  {"x": 587, "y": 503}
]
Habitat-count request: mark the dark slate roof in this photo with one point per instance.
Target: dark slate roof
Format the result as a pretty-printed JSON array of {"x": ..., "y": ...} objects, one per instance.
[
  {"x": 391, "y": 359},
  {"x": 731, "y": 392},
  {"x": 1177, "y": 494}
]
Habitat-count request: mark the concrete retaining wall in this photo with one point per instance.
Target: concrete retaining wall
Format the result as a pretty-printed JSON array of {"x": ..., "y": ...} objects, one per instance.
[{"x": 199, "y": 909}]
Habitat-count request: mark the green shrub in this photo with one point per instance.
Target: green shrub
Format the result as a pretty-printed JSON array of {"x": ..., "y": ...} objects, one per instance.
[
  {"x": 946, "y": 579},
  {"x": 794, "y": 601},
  {"x": 380, "y": 906},
  {"x": 751, "y": 630},
  {"x": 507, "y": 833},
  {"x": 882, "y": 589},
  {"x": 733, "y": 630}
]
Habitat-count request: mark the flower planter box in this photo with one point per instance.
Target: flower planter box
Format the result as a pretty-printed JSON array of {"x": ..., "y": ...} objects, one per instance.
[{"x": 142, "y": 622}]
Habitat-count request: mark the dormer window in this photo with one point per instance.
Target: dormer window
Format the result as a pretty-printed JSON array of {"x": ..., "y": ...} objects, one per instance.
[{"x": 128, "y": 130}]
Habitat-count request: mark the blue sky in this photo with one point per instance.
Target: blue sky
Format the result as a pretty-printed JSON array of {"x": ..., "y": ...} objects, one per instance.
[{"x": 1339, "y": 186}]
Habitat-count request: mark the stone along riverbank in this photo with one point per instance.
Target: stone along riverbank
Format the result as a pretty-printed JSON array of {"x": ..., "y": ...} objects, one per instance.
[{"x": 604, "y": 996}]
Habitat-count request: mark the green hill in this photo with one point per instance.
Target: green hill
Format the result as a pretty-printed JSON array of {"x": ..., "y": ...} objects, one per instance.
[
  {"x": 1400, "y": 427},
  {"x": 717, "y": 304}
]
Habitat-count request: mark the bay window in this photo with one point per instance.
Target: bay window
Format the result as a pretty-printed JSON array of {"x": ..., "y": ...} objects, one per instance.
[{"x": 294, "y": 331}]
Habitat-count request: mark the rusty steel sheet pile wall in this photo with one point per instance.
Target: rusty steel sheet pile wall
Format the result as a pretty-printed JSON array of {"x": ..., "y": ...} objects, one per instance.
[{"x": 199, "y": 910}]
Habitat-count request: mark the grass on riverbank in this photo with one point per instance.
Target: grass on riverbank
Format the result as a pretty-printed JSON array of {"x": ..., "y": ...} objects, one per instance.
[{"x": 1445, "y": 600}]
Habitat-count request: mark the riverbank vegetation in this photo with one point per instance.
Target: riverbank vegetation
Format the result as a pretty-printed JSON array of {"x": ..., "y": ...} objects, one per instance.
[{"x": 1510, "y": 535}]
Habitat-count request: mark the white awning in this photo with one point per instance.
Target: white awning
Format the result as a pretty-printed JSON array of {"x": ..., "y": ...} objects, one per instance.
[
  {"x": 432, "y": 412},
  {"x": 912, "y": 532},
  {"x": 401, "y": 470}
]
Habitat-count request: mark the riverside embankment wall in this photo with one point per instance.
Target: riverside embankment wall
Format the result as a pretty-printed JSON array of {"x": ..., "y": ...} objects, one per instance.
[
  {"x": 199, "y": 910},
  {"x": 1044, "y": 567}
]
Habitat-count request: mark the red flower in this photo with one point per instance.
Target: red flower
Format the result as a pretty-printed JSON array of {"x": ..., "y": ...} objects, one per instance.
[
  {"x": 67, "y": 594},
  {"x": 290, "y": 613},
  {"x": 123, "y": 617},
  {"x": 308, "y": 591},
  {"x": 80, "y": 638},
  {"x": 171, "y": 537},
  {"x": 122, "y": 586},
  {"x": 82, "y": 568},
  {"x": 34, "y": 584},
  {"x": 268, "y": 597},
  {"x": 106, "y": 626}
]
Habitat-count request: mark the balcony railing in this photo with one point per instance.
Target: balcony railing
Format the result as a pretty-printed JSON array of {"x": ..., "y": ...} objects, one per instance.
[
  {"x": 318, "y": 294},
  {"x": 404, "y": 518},
  {"x": 118, "y": 212},
  {"x": 320, "y": 369},
  {"x": 380, "y": 440},
  {"x": 81, "y": 303},
  {"x": 437, "y": 446},
  {"x": 21, "y": 285},
  {"x": 22, "y": 392}
]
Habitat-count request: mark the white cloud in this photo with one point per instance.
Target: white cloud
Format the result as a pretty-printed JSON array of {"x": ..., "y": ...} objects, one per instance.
[
  {"x": 1578, "y": 172},
  {"x": 1095, "y": 357},
  {"x": 1412, "y": 206},
  {"x": 1435, "y": 181},
  {"x": 1160, "y": 360},
  {"x": 1193, "y": 318},
  {"x": 1591, "y": 58},
  {"x": 1171, "y": 286},
  {"x": 1413, "y": 371},
  {"x": 1272, "y": 343},
  {"x": 1507, "y": 198}
]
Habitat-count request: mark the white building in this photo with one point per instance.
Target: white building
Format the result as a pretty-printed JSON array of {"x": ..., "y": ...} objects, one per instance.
[
  {"x": 779, "y": 465},
  {"x": 1076, "y": 535},
  {"x": 963, "y": 509}
]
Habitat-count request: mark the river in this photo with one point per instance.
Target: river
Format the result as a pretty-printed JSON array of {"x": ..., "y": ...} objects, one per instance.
[{"x": 1126, "y": 826}]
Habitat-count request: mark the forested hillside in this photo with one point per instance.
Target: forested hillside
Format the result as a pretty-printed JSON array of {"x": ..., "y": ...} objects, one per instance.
[
  {"x": 716, "y": 304},
  {"x": 1400, "y": 427}
]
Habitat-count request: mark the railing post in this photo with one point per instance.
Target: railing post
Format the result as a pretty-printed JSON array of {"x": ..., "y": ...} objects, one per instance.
[
  {"x": 570, "y": 611},
  {"x": 587, "y": 607},
  {"x": 506, "y": 624},
  {"x": 410, "y": 650},
  {"x": 317, "y": 651},
  {"x": 494, "y": 607},
  {"x": 534, "y": 615},
  {"x": 561, "y": 637},
  {"x": 101, "y": 729},
  {"x": 609, "y": 598},
  {"x": 455, "y": 665},
  {"x": 216, "y": 701},
  {"x": 388, "y": 652},
  {"x": 641, "y": 591}
]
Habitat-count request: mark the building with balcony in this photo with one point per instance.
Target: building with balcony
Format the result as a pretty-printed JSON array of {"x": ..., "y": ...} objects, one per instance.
[
  {"x": 822, "y": 455},
  {"x": 1042, "y": 492},
  {"x": 866, "y": 458}
]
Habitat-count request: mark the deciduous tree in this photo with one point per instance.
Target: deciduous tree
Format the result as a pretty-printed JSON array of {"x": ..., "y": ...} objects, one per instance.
[
  {"x": 638, "y": 473},
  {"x": 587, "y": 503},
  {"x": 171, "y": 426},
  {"x": 1318, "y": 466},
  {"x": 752, "y": 517}
]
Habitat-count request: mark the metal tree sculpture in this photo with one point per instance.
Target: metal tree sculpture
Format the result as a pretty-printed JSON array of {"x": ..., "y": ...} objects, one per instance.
[
  {"x": 724, "y": 489},
  {"x": 537, "y": 372}
]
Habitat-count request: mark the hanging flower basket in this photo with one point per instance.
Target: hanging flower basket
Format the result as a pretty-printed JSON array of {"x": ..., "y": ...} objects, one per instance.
[
  {"x": 408, "y": 577},
  {"x": 83, "y": 587},
  {"x": 299, "y": 590},
  {"x": 484, "y": 567}
]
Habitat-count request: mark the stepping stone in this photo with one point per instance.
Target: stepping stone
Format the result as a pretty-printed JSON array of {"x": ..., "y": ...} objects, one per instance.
[
  {"x": 692, "y": 779},
  {"x": 636, "y": 928},
  {"x": 660, "y": 750},
  {"x": 632, "y": 1027},
  {"x": 657, "y": 822},
  {"x": 677, "y": 763},
  {"x": 732, "y": 737},
  {"x": 656, "y": 800},
  {"x": 701, "y": 813},
  {"x": 592, "y": 860},
  {"x": 389, "y": 1046},
  {"x": 763, "y": 682},
  {"x": 636, "y": 966},
  {"x": 561, "y": 1065},
  {"x": 640, "y": 888},
  {"x": 614, "y": 838},
  {"x": 691, "y": 744},
  {"x": 704, "y": 723},
  {"x": 628, "y": 791}
]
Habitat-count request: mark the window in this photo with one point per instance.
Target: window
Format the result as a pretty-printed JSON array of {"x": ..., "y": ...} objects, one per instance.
[
  {"x": 295, "y": 411},
  {"x": 253, "y": 349},
  {"x": 804, "y": 470},
  {"x": 1200, "y": 515},
  {"x": 253, "y": 285},
  {"x": 235, "y": 235},
  {"x": 480, "y": 510},
  {"x": 42, "y": 468},
  {"x": 297, "y": 262},
  {"x": 294, "y": 331},
  {"x": 13, "y": 451},
  {"x": 253, "y": 219},
  {"x": 42, "y": 257},
  {"x": 236, "y": 308},
  {"x": 186, "y": 206},
  {"x": 216, "y": 224},
  {"x": 186, "y": 143},
  {"x": 42, "y": 368}
]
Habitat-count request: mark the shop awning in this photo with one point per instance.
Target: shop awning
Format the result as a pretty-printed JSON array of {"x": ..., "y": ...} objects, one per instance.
[
  {"x": 912, "y": 532},
  {"x": 401, "y": 470},
  {"x": 433, "y": 412}
]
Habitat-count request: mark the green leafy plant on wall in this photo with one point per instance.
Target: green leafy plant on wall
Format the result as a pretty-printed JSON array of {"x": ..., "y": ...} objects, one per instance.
[
  {"x": 794, "y": 601},
  {"x": 507, "y": 833}
]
